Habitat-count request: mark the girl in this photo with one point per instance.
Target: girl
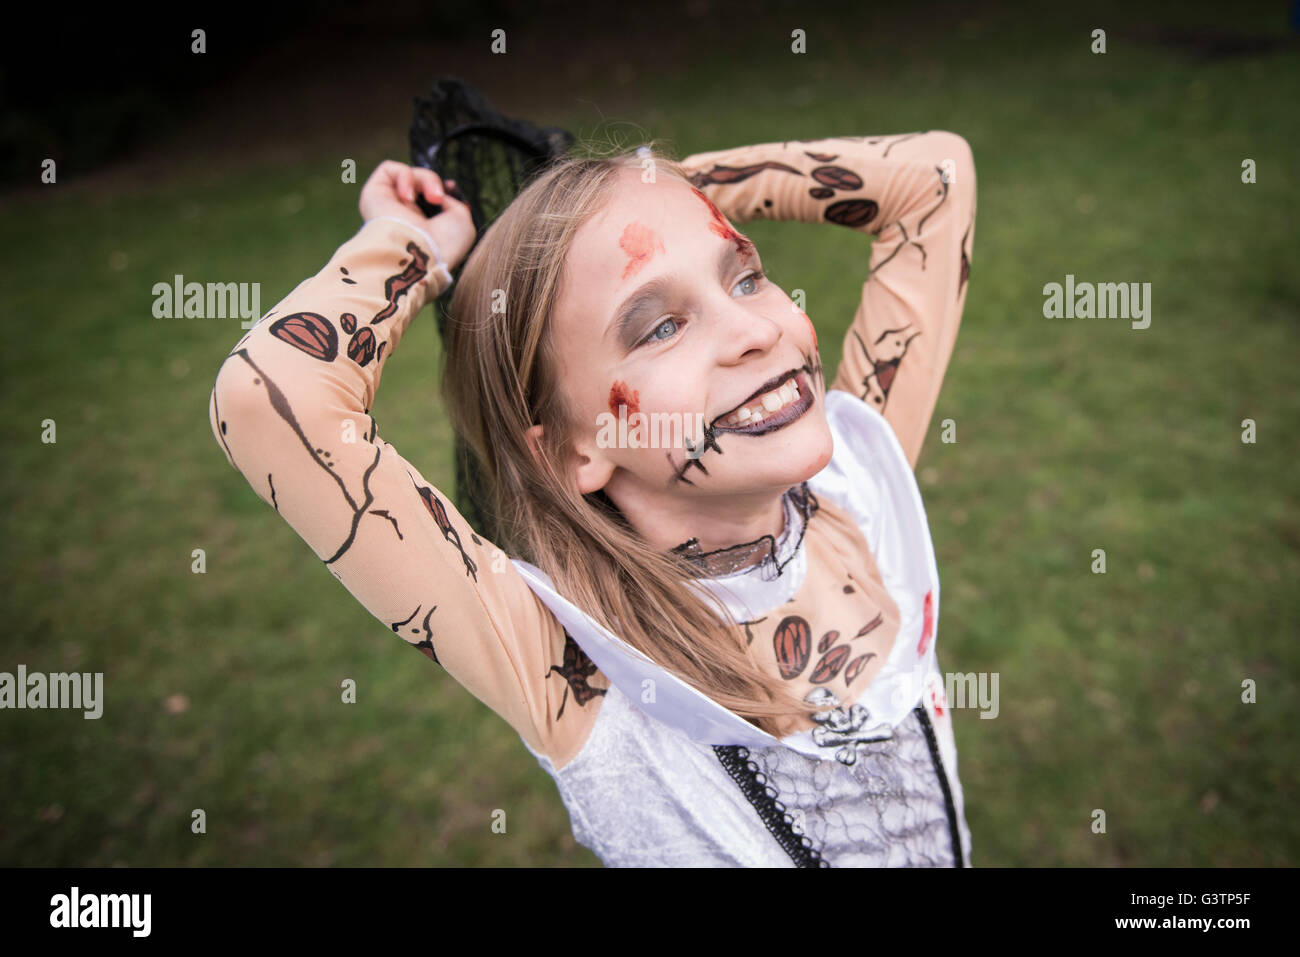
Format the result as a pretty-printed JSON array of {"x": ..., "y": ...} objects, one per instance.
[{"x": 720, "y": 644}]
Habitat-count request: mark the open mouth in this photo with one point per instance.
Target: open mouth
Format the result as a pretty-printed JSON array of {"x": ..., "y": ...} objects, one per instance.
[{"x": 774, "y": 405}]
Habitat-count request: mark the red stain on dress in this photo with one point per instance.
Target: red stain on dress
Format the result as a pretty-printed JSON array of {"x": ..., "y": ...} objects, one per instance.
[
  {"x": 927, "y": 626},
  {"x": 723, "y": 228},
  {"x": 620, "y": 395},
  {"x": 640, "y": 243}
]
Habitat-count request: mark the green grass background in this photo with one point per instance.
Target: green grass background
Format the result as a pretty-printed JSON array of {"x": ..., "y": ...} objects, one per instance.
[{"x": 1119, "y": 691}]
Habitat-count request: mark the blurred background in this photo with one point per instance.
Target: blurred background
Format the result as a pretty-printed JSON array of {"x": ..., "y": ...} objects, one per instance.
[{"x": 1120, "y": 691}]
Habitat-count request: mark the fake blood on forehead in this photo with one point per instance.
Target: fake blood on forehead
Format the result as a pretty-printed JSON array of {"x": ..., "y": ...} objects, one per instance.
[
  {"x": 721, "y": 228},
  {"x": 619, "y": 394},
  {"x": 640, "y": 242}
]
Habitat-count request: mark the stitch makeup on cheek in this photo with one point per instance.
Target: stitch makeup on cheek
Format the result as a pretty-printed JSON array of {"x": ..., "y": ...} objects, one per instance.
[
  {"x": 694, "y": 452},
  {"x": 721, "y": 228},
  {"x": 640, "y": 243},
  {"x": 813, "y": 366}
]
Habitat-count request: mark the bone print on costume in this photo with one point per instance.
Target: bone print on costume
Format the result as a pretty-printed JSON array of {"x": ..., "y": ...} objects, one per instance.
[
  {"x": 726, "y": 174},
  {"x": 305, "y": 378}
]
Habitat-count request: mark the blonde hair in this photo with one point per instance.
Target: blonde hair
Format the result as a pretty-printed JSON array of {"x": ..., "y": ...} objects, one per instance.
[{"x": 499, "y": 379}]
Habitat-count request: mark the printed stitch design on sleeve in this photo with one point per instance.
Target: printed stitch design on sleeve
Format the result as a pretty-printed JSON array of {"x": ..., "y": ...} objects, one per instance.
[
  {"x": 438, "y": 511},
  {"x": 280, "y": 403},
  {"x": 884, "y": 363},
  {"x": 727, "y": 175},
  {"x": 577, "y": 669}
]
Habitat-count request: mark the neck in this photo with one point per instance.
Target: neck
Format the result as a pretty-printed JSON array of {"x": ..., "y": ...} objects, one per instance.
[{"x": 714, "y": 521}]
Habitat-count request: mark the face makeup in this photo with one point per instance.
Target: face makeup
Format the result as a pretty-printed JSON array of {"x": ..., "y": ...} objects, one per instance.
[
  {"x": 640, "y": 243},
  {"x": 772, "y": 406},
  {"x": 619, "y": 394},
  {"x": 721, "y": 228}
]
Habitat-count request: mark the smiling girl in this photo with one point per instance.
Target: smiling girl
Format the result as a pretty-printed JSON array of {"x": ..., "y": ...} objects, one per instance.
[{"x": 722, "y": 652}]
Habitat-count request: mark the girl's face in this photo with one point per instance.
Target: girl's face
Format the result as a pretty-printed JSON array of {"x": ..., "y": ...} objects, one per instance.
[{"x": 665, "y": 318}]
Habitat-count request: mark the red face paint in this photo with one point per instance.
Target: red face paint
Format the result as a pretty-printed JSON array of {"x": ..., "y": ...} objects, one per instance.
[
  {"x": 640, "y": 243},
  {"x": 721, "y": 228},
  {"x": 811, "y": 327},
  {"x": 620, "y": 395}
]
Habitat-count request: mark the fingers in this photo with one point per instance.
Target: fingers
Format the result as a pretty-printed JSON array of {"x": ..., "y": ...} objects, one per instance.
[
  {"x": 452, "y": 194},
  {"x": 427, "y": 181},
  {"x": 399, "y": 178},
  {"x": 390, "y": 171},
  {"x": 456, "y": 208},
  {"x": 408, "y": 181}
]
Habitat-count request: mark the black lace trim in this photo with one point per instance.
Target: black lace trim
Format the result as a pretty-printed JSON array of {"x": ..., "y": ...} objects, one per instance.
[
  {"x": 943, "y": 782},
  {"x": 762, "y": 550},
  {"x": 753, "y": 784}
]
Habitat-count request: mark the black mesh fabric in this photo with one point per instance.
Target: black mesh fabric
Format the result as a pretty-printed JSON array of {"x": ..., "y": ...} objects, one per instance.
[
  {"x": 886, "y": 809},
  {"x": 460, "y": 135}
]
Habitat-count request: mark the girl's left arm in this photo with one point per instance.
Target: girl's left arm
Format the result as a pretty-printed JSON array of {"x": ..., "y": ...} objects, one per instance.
[{"x": 915, "y": 193}]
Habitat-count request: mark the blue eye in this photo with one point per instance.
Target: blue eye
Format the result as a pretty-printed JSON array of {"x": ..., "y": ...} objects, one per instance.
[
  {"x": 654, "y": 335},
  {"x": 753, "y": 278}
]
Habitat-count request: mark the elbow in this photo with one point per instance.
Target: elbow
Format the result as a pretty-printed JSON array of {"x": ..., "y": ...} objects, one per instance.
[
  {"x": 956, "y": 160},
  {"x": 236, "y": 402}
]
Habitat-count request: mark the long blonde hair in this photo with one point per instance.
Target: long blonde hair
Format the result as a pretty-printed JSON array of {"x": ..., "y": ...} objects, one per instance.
[{"x": 499, "y": 379}]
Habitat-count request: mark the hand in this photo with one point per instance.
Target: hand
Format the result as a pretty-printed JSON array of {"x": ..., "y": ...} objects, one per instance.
[{"x": 391, "y": 191}]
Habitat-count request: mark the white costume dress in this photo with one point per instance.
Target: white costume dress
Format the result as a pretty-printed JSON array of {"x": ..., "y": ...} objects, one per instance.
[{"x": 668, "y": 777}]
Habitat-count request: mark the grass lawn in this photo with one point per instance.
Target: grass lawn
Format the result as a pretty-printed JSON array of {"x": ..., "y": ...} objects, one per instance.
[{"x": 1119, "y": 692}]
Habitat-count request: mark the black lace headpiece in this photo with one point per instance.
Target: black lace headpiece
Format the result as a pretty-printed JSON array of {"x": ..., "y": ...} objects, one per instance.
[{"x": 460, "y": 135}]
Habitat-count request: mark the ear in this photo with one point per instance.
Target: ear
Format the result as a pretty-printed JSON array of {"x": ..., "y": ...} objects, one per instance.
[
  {"x": 591, "y": 470},
  {"x": 533, "y": 436}
]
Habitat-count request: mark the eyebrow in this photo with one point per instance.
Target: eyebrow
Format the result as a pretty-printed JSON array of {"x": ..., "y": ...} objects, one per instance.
[{"x": 649, "y": 295}]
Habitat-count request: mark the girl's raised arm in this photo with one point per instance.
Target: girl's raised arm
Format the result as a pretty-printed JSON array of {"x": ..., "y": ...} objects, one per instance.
[
  {"x": 291, "y": 410},
  {"x": 915, "y": 193}
]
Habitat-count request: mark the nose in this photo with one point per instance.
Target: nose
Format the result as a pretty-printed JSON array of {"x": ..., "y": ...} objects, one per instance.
[{"x": 745, "y": 333}]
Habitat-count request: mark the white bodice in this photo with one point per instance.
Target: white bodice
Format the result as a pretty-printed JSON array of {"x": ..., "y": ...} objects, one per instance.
[{"x": 672, "y": 778}]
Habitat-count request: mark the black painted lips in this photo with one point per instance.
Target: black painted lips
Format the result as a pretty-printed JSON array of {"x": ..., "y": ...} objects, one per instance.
[{"x": 777, "y": 420}]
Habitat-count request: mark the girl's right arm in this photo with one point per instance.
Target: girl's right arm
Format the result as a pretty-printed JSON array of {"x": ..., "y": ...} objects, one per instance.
[{"x": 291, "y": 411}]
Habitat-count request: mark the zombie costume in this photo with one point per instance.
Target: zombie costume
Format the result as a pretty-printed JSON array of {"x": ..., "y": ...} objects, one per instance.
[{"x": 843, "y": 605}]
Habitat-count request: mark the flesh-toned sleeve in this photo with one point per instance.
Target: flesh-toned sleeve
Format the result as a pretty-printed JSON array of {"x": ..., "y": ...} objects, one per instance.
[
  {"x": 290, "y": 408},
  {"x": 915, "y": 193}
]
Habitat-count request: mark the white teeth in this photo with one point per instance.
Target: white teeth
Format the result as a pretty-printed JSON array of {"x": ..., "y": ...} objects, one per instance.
[{"x": 755, "y": 412}]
